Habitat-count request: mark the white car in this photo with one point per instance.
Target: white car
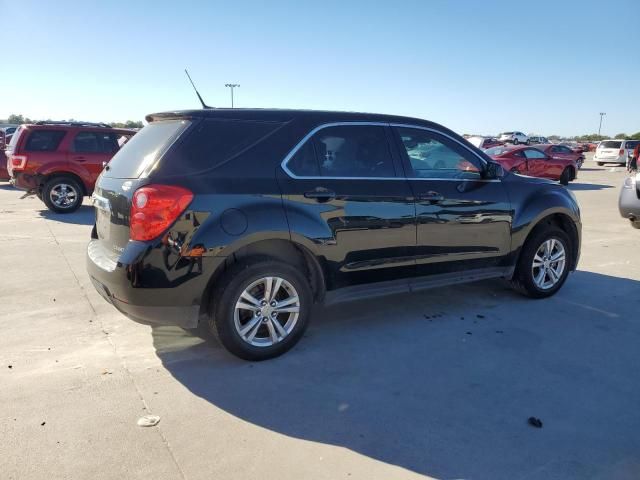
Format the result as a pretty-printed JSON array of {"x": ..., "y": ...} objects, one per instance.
[
  {"x": 514, "y": 137},
  {"x": 613, "y": 151}
]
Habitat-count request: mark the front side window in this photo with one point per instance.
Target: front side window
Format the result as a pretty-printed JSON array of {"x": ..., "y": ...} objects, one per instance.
[
  {"x": 532, "y": 153},
  {"x": 43, "y": 140},
  {"x": 433, "y": 156}
]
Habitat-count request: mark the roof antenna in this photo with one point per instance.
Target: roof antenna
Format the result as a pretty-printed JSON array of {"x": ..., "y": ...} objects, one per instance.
[{"x": 204, "y": 105}]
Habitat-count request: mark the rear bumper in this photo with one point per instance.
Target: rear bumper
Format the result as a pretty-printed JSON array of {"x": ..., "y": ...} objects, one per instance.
[
  {"x": 24, "y": 181},
  {"x": 622, "y": 160},
  {"x": 150, "y": 284},
  {"x": 629, "y": 203}
]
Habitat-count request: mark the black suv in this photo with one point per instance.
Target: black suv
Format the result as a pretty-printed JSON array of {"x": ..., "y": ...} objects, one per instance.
[{"x": 241, "y": 219}]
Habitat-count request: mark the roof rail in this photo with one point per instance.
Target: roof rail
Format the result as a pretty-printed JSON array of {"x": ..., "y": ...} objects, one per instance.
[{"x": 72, "y": 123}]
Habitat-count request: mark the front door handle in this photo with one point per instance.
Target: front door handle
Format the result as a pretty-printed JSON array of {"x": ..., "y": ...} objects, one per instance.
[
  {"x": 320, "y": 194},
  {"x": 79, "y": 159},
  {"x": 431, "y": 197}
]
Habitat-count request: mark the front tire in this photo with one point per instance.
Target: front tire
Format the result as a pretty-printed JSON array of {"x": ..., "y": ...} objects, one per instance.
[
  {"x": 515, "y": 141},
  {"x": 566, "y": 177},
  {"x": 261, "y": 308},
  {"x": 62, "y": 194},
  {"x": 600, "y": 164},
  {"x": 544, "y": 263}
]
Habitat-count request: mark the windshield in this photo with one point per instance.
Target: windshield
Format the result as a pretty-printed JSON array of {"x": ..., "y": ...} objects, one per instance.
[
  {"x": 141, "y": 152},
  {"x": 496, "y": 151},
  {"x": 610, "y": 144}
]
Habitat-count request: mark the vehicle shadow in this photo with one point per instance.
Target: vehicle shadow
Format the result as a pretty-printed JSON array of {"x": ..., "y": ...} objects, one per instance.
[
  {"x": 588, "y": 186},
  {"x": 5, "y": 185},
  {"x": 442, "y": 382},
  {"x": 85, "y": 215}
]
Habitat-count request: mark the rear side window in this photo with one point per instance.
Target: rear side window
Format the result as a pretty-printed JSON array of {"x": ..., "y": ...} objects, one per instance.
[
  {"x": 213, "y": 142},
  {"x": 87, "y": 142},
  {"x": 141, "y": 152},
  {"x": 44, "y": 140},
  {"x": 533, "y": 153},
  {"x": 610, "y": 144}
]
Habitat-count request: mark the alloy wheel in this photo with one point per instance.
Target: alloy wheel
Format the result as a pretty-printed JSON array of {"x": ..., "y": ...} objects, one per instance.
[
  {"x": 267, "y": 311},
  {"x": 549, "y": 264},
  {"x": 63, "y": 195}
]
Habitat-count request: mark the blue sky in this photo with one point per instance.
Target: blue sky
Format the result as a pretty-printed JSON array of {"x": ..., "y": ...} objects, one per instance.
[{"x": 474, "y": 66}]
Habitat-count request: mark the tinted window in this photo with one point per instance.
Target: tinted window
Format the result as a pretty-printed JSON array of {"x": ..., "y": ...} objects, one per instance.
[
  {"x": 305, "y": 163},
  {"x": 433, "y": 156},
  {"x": 533, "y": 153},
  {"x": 353, "y": 151},
  {"x": 631, "y": 144},
  {"x": 87, "y": 142},
  {"x": 44, "y": 140},
  {"x": 109, "y": 142},
  {"x": 212, "y": 142},
  {"x": 564, "y": 149},
  {"x": 142, "y": 151},
  {"x": 610, "y": 144}
]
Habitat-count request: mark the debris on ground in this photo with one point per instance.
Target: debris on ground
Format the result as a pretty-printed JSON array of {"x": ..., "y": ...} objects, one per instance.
[
  {"x": 10, "y": 366},
  {"x": 149, "y": 421},
  {"x": 42, "y": 424},
  {"x": 469, "y": 333},
  {"x": 480, "y": 316},
  {"x": 106, "y": 372},
  {"x": 535, "y": 422}
]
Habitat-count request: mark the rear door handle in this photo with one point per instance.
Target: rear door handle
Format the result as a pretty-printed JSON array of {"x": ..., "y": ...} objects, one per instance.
[
  {"x": 320, "y": 194},
  {"x": 432, "y": 197}
]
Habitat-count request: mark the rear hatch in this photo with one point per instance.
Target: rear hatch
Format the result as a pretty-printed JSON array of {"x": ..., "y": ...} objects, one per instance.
[
  {"x": 124, "y": 174},
  {"x": 609, "y": 149}
]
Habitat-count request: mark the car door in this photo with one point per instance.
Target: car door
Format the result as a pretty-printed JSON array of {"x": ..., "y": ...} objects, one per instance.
[
  {"x": 463, "y": 220},
  {"x": 539, "y": 165},
  {"x": 89, "y": 154},
  {"x": 344, "y": 192}
]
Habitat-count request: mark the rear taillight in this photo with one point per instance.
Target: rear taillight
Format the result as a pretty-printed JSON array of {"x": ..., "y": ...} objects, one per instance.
[
  {"x": 18, "y": 162},
  {"x": 154, "y": 208},
  {"x": 621, "y": 152}
]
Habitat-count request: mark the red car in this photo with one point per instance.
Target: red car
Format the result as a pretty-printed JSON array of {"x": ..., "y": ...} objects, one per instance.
[
  {"x": 60, "y": 161},
  {"x": 4, "y": 175},
  {"x": 563, "y": 152},
  {"x": 533, "y": 161}
]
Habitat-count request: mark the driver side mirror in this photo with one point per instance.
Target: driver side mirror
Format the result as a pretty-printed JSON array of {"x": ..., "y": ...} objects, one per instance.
[{"x": 493, "y": 170}]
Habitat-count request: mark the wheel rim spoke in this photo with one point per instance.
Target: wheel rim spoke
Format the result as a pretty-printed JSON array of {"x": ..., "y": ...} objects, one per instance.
[{"x": 272, "y": 302}]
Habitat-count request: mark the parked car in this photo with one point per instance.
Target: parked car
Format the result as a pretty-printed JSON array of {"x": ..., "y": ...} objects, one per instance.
[
  {"x": 611, "y": 151},
  {"x": 60, "y": 161},
  {"x": 534, "y": 162},
  {"x": 242, "y": 219},
  {"x": 484, "y": 142},
  {"x": 536, "y": 140},
  {"x": 629, "y": 201},
  {"x": 514, "y": 137},
  {"x": 563, "y": 152}
]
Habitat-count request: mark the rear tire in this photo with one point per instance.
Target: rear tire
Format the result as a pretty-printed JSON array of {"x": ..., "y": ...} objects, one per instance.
[
  {"x": 636, "y": 224},
  {"x": 248, "y": 329},
  {"x": 526, "y": 278},
  {"x": 566, "y": 177},
  {"x": 515, "y": 141},
  {"x": 62, "y": 194}
]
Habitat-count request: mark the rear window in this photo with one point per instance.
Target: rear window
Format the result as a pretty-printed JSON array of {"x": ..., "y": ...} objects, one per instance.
[
  {"x": 141, "y": 152},
  {"x": 213, "y": 142},
  {"x": 44, "y": 140},
  {"x": 610, "y": 144},
  {"x": 631, "y": 144}
]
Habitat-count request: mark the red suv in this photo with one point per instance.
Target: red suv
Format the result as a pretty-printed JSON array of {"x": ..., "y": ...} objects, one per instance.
[{"x": 60, "y": 161}]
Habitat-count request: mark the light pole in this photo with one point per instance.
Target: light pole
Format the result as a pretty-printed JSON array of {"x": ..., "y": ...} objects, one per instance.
[
  {"x": 602, "y": 114},
  {"x": 232, "y": 86}
]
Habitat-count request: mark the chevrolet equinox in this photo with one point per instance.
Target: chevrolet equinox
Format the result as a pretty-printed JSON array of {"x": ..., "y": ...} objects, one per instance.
[{"x": 239, "y": 220}]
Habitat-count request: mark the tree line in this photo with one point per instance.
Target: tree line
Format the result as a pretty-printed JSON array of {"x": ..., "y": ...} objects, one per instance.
[{"x": 20, "y": 119}]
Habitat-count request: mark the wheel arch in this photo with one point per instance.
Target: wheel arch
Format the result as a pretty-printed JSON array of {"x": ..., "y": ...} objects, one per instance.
[
  {"x": 279, "y": 249},
  {"x": 562, "y": 220},
  {"x": 43, "y": 178}
]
